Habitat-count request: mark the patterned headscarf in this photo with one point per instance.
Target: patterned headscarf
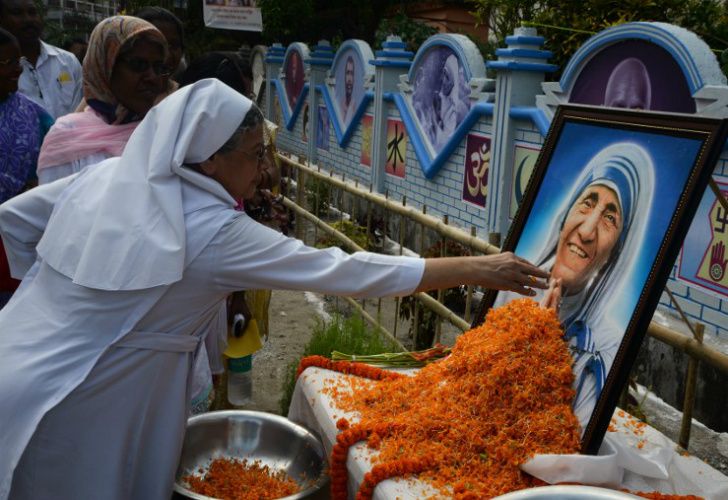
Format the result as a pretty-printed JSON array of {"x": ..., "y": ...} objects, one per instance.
[{"x": 104, "y": 46}]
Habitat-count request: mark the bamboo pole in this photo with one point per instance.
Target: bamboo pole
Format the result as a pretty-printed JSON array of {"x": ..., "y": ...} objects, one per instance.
[
  {"x": 469, "y": 293},
  {"x": 692, "y": 347},
  {"x": 376, "y": 324},
  {"x": 401, "y": 248},
  {"x": 428, "y": 301},
  {"x": 300, "y": 194},
  {"x": 661, "y": 333},
  {"x": 691, "y": 379},
  {"x": 412, "y": 213}
]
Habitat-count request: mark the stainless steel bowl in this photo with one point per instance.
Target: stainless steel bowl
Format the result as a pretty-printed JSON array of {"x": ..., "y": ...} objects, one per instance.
[
  {"x": 273, "y": 440},
  {"x": 567, "y": 492}
]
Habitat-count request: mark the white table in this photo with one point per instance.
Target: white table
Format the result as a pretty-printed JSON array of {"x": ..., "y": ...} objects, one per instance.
[{"x": 314, "y": 409}]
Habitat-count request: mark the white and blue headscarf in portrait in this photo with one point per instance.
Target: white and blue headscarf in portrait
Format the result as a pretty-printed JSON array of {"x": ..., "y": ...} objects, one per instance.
[{"x": 593, "y": 330}]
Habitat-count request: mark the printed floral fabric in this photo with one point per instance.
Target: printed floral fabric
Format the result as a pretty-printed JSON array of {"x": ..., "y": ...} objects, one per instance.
[{"x": 22, "y": 127}]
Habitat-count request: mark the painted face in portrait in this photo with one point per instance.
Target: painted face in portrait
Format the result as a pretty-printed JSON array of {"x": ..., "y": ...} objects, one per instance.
[
  {"x": 448, "y": 96},
  {"x": 349, "y": 79},
  {"x": 629, "y": 86},
  {"x": 589, "y": 234}
]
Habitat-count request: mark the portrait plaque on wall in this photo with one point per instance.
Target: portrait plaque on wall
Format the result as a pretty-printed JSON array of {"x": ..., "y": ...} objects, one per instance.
[{"x": 605, "y": 212}]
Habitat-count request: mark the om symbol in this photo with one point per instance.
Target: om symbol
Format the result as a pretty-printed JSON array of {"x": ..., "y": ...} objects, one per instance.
[{"x": 476, "y": 177}]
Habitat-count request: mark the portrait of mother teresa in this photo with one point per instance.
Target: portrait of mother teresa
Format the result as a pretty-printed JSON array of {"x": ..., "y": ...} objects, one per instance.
[{"x": 593, "y": 242}]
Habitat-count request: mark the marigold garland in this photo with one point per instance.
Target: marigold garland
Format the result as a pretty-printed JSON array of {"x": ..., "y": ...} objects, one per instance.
[{"x": 465, "y": 423}]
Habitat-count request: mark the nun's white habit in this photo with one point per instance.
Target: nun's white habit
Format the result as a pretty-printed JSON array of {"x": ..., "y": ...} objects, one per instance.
[{"x": 133, "y": 258}]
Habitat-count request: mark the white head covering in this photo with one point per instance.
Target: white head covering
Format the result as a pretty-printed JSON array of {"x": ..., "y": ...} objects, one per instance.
[
  {"x": 627, "y": 169},
  {"x": 121, "y": 226}
]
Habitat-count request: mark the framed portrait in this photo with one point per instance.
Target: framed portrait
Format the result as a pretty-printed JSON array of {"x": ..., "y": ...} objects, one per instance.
[
  {"x": 349, "y": 77},
  {"x": 606, "y": 209},
  {"x": 441, "y": 95},
  {"x": 294, "y": 74},
  {"x": 322, "y": 129}
]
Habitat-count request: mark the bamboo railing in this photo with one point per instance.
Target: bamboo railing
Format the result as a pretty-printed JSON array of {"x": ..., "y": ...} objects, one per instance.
[{"x": 692, "y": 347}]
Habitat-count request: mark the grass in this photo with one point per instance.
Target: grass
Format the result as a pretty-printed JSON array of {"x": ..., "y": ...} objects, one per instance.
[{"x": 350, "y": 335}]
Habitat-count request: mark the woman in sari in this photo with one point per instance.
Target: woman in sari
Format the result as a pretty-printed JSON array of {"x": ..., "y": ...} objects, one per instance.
[
  {"x": 23, "y": 124},
  {"x": 124, "y": 75}
]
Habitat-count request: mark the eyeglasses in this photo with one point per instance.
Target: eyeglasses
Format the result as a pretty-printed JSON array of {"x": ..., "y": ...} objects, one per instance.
[
  {"x": 141, "y": 66},
  {"x": 259, "y": 155}
]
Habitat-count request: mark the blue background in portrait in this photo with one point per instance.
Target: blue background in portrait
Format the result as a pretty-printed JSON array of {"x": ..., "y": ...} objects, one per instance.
[
  {"x": 358, "y": 90},
  {"x": 672, "y": 159},
  {"x": 322, "y": 134}
]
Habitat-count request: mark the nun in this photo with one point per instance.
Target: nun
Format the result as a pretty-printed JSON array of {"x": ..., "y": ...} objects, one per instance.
[
  {"x": 591, "y": 252},
  {"x": 124, "y": 266}
]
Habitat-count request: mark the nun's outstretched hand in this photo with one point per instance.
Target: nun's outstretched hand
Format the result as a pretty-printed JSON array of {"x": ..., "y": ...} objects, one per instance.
[{"x": 503, "y": 271}]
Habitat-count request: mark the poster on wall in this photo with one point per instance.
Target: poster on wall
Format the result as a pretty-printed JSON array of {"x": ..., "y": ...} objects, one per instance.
[
  {"x": 524, "y": 161},
  {"x": 349, "y": 85},
  {"x": 322, "y": 129},
  {"x": 240, "y": 15},
  {"x": 396, "y": 148},
  {"x": 441, "y": 95},
  {"x": 633, "y": 74},
  {"x": 475, "y": 176},
  {"x": 365, "y": 157},
  {"x": 610, "y": 201},
  {"x": 704, "y": 259},
  {"x": 304, "y": 124},
  {"x": 294, "y": 76}
]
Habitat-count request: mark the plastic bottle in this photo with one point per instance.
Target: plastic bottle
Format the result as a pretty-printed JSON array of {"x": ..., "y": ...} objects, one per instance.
[{"x": 240, "y": 380}]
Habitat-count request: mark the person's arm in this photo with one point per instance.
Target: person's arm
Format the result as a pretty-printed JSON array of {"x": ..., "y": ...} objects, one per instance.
[
  {"x": 23, "y": 220},
  {"x": 503, "y": 271},
  {"x": 250, "y": 256}
]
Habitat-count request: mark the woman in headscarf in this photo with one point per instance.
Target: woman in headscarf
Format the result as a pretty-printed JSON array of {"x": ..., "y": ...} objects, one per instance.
[
  {"x": 124, "y": 265},
  {"x": 23, "y": 124},
  {"x": 124, "y": 75},
  {"x": 591, "y": 249}
]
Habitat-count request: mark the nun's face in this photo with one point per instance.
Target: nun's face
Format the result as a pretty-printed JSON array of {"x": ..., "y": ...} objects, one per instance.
[
  {"x": 591, "y": 229},
  {"x": 238, "y": 171}
]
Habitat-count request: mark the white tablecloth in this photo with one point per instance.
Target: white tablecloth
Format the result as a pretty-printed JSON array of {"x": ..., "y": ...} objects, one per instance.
[{"x": 647, "y": 459}]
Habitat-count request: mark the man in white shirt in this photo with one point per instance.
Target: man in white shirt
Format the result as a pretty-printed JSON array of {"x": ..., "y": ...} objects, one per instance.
[{"x": 51, "y": 76}]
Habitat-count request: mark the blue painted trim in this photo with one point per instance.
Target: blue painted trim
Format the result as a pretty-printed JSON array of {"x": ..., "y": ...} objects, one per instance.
[
  {"x": 391, "y": 64},
  {"x": 388, "y": 96},
  {"x": 274, "y": 59},
  {"x": 323, "y": 48},
  {"x": 289, "y": 118},
  {"x": 316, "y": 61},
  {"x": 522, "y": 66},
  {"x": 531, "y": 53},
  {"x": 431, "y": 166},
  {"x": 394, "y": 53},
  {"x": 277, "y": 50},
  {"x": 533, "y": 114},
  {"x": 525, "y": 40},
  {"x": 631, "y": 31},
  {"x": 394, "y": 45},
  {"x": 344, "y": 135}
]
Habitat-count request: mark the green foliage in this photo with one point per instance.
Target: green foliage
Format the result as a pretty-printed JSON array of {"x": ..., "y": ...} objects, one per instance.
[
  {"x": 567, "y": 24},
  {"x": 356, "y": 233},
  {"x": 318, "y": 194},
  {"x": 351, "y": 335},
  {"x": 413, "y": 32},
  {"x": 453, "y": 298}
]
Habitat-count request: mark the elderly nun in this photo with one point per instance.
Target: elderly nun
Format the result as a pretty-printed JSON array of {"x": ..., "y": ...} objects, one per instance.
[
  {"x": 124, "y": 265},
  {"x": 591, "y": 250}
]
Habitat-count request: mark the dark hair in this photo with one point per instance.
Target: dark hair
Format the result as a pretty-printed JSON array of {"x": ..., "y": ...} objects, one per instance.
[
  {"x": 154, "y": 14},
  {"x": 228, "y": 67},
  {"x": 6, "y": 37},
  {"x": 71, "y": 41}
]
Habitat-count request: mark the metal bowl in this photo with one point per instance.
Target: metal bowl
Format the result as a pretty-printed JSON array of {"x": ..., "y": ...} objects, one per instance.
[
  {"x": 567, "y": 492},
  {"x": 273, "y": 440}
]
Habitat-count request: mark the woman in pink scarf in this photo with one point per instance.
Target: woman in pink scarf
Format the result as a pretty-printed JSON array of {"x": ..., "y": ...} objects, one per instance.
[{"x": 124, "y": 75}]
